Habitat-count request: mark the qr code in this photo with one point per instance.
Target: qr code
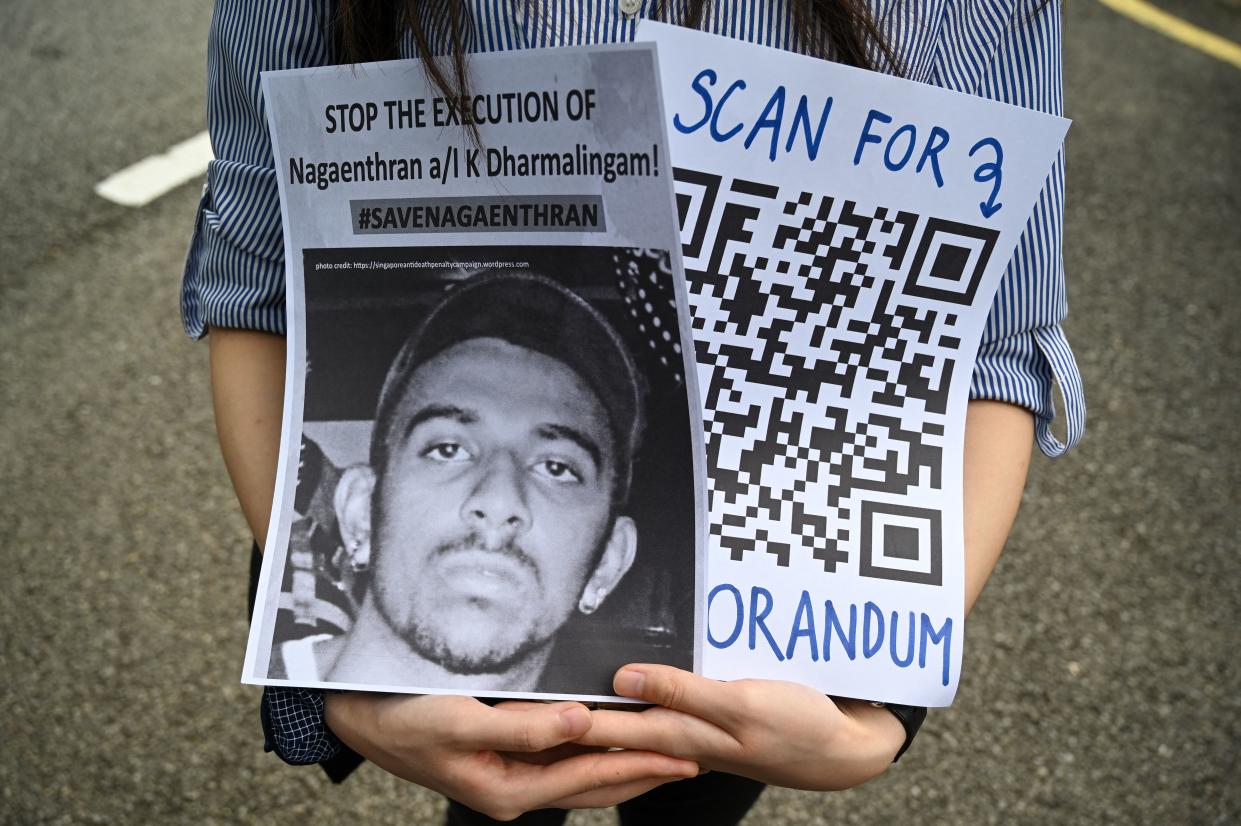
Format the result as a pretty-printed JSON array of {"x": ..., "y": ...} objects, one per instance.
[{"x": 827, "y": 333}]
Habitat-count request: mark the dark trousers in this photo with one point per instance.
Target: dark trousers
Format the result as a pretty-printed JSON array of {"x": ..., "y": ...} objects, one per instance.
[{"x": 712, "y": 799}]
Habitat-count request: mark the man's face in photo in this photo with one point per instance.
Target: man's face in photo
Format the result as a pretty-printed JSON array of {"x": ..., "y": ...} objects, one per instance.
[{"x": 493, "y": 514}]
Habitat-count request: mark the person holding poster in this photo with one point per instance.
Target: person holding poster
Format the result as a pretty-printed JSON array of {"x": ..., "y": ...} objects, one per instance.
[{"x": 747, "y": 732}]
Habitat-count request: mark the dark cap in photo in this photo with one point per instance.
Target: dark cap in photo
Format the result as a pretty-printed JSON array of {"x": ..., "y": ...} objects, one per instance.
[{"x": 536, "y": 313}]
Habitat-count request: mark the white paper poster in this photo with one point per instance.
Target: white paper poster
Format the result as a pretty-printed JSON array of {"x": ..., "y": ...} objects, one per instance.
[
  {"x": 532, "y": 434},
  {"x": 489, "y": 478},
  {"x": 844, "y": 234}
]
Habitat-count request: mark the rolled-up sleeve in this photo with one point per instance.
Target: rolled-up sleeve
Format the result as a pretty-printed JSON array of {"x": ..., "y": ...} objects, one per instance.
[
  {"x": 234, "y": 271},
  {"x": 1014, "y": 55}
]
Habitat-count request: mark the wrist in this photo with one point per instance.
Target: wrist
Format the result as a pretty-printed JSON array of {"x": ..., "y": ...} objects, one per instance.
[
  {"x": 347, "y": 718},
  {"x": 878, "y": 736},
  {"x": 910, "y": 718}
]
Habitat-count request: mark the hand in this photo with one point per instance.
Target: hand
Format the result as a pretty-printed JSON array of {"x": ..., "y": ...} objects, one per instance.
[
  {"x": 781, "y": 733},
  {"x": 546, "y": 756},
  {"x": 457, "y": 746}
]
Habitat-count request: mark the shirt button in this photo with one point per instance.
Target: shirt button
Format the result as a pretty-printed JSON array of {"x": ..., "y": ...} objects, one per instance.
[{"x": 630, "y": 7}]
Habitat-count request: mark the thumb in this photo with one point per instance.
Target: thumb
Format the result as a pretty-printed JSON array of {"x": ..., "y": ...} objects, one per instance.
[
  {"x": 526, "y": 729},
  {"x": 674, "y": 688}
]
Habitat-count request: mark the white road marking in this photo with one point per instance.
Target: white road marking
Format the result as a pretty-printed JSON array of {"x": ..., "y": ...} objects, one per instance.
[{"x": 149, "y": 178}]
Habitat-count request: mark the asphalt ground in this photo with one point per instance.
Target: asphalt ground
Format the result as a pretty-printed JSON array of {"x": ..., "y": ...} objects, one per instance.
[{"x": 1101, "y": 682}]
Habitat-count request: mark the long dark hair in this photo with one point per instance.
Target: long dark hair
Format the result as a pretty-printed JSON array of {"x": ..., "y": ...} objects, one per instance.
[{"x": 365, "y": 30}]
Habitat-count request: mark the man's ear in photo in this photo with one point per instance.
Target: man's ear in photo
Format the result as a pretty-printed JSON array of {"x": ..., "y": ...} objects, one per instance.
[
  {"x": 352, "y": 501},
  {"x": 614, "y": 563}
]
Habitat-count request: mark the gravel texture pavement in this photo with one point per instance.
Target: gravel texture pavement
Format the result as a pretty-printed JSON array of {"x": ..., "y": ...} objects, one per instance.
[{"x": 1101, "y": 677}]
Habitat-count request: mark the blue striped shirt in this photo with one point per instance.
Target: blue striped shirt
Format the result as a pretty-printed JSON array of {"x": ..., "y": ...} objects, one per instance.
[{"x": 1006, "y": 50}]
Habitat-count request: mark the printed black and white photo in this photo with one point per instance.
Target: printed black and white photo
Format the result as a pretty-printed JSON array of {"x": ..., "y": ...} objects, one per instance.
[
  {"x": 496, "y": 487},
  {"x": 491, "y": 475}
]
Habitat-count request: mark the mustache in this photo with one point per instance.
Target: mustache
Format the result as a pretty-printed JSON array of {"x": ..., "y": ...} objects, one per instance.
[{"x": 473, "y": 541}]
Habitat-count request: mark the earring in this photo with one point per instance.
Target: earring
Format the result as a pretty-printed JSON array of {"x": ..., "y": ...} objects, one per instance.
[
  {"x": 359, "y": 559},
  {"x": 590, "y": 600}
]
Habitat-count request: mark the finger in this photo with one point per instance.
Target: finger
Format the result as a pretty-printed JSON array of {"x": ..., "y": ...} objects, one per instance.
[
  {"x": 534, "y": 787},
  {"x": 609, "y": 796},
  {"x": 677, "y": 689},
  {"x": 532, "y": 729},
  {"x": 660, "y": 730}
]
